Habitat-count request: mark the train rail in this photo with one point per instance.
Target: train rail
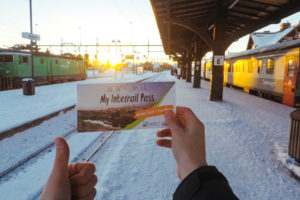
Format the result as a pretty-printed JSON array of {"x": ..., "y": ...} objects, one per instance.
[
  {"x": 32, "y": 155},
  {"x": 99, "y": 146},
  {"x": 30, "y": 124},
  {"x": 50, "y": 144}
]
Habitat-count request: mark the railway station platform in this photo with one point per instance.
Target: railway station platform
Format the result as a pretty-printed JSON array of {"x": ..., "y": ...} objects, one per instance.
[
  {"x": 47, "y": 100},
  {"x": 246, "y": 139}
]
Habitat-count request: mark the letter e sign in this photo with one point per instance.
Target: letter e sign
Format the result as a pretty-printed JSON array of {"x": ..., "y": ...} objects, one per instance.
[{"x": 218, "y": 60}]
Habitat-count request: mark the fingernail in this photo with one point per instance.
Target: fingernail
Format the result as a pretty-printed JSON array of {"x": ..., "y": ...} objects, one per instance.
[
  {"x": 58, "y": 142},
  {"x": 168, "y": 114}
]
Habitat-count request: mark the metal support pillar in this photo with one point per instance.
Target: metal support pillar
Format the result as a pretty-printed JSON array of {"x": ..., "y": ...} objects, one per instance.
[
  {"x": 197, "y": 68},
  {"x": 197, "y": 73},
  {"x": 189, "y": 68},
  {"x": 216, "y": 82},
  {"x": 182, "y": 70},
  {"x": 183, "y": 66},
  {"x": 178, "y": 71}
]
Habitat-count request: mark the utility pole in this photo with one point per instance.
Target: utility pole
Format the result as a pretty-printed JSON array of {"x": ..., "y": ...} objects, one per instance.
[
  {"x": 61, "y": 46},
  {"x": 130, "y": 32},
  {"x": 148, "y": 47},
  {"x": 31, "y": 42},
  {"x": 79, "y": 39},
  {"x": 116, "y": 42}
]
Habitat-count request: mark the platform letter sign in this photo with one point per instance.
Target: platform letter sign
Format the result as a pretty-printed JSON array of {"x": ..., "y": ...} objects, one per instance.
[
  {"x": 123, "y": 106},
  {"x": 218, "y": 60}
]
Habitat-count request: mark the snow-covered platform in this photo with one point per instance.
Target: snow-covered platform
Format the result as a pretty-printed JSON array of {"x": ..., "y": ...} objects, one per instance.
[
  {"x": 17, "y": 109},
  {"x": 246, "y": 139}
]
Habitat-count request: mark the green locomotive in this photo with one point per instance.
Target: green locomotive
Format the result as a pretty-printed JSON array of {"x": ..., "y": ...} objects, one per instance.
[{"x": 48, "y": 69}]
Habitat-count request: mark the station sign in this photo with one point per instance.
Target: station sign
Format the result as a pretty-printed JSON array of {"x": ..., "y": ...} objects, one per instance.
[
  {"x": 218, "y": 60},
  {"x": 129, "y": 57},
  {"x": 31, "y": 36}
]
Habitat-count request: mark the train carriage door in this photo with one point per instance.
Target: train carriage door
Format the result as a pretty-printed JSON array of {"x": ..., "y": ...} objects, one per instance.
[
  {"x": 291, "y": 64},
  {"x": 49, "y": 70}
]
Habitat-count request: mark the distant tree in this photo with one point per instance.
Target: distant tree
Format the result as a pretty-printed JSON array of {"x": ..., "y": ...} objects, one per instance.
[
  {"x": 148, "y": 66},
  {"x": 87, "y": 59},
  {"x": 68, "y": 55},
  {"x": 48, "y": 53},
  {"x": 79, "y": 56}
]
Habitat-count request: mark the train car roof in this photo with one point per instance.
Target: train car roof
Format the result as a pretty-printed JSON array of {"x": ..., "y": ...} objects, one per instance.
[
  {"x": 286, "y": 44},
  {"x": 18, "y": 52},
  {"x": 9, "y": 51}
]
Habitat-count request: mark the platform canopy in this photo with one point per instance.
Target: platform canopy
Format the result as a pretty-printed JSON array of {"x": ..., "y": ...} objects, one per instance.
[
  {"x": 190, "y": 28},
  {"x": 180, "y": 21}
]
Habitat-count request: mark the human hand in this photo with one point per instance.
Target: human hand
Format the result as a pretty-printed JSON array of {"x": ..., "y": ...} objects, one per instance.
[
  {"x": 76, "y": 181},
  {"x": 187, "y": 140}
]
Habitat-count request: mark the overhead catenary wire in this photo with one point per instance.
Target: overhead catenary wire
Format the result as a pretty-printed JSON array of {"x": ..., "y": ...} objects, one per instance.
[{"x": 120, "y": 10}]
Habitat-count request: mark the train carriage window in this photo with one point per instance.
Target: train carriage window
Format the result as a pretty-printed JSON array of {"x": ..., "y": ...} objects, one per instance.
[
  {"x": 251, "y": 67},
  {"x": 24, "y": 59},
  {"x": 42, "y": 60},
  {"x": 246, "y": 66},
  {"x": 56, "y": 62},
  {"x": 242, "y": 66},
  {"x": 6, "y": 58},
  {"x": 259, "y": 66},
  {"x": 270, "y": 67},
  {"x": 228, "y": 65},
  {"x": 291, "y": 68},
  {"x": 235, "y": 67}
]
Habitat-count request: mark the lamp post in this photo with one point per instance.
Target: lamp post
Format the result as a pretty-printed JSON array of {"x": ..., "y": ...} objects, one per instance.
[
  {"x": 116, "y": 43},
  {"x": 79, "y": 39},
  {"x": 130, "y": 32},
  {"x": 31, "y": 42}
]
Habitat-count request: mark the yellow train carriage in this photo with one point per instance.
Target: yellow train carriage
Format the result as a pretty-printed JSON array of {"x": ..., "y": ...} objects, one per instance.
[{"x": 268, "y": 71}]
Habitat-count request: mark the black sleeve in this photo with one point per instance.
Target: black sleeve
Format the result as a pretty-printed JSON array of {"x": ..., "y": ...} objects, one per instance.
[{"x": 204, "y": 183}]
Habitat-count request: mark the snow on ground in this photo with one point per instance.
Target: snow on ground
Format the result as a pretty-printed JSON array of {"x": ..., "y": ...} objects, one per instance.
[
  {"x": 17, "y": 109},
  {"x": 241, "y": 134},
  {"x": 131, "y": 166},
  {"x": 25, "y": 184},
  {"x": 246, "y": 138},
  {"x": 32, "y": 139}
]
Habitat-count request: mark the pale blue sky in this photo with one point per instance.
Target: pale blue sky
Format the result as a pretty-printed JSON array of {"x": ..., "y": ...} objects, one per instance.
[{"x": 103, "y": 19}]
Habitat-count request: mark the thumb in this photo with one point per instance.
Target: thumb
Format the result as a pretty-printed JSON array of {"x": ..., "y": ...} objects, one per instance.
[
  {"x": 58, "y": 186},
  {"x": 61, "y": 157},
  {"x": 172, "y": 121}
]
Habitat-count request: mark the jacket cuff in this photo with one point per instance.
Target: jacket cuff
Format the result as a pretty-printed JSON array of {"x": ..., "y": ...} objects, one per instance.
[{"x": 195, "y": 180}]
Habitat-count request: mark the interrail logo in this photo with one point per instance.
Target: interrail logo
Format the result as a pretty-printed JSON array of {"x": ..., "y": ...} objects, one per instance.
[{"x": 123, "y": 106}]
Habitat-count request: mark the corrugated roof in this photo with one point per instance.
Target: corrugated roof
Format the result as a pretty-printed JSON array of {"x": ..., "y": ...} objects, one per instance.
[
  {"x": 278, "y": 46},
  {"x": 264, "y": 39}
]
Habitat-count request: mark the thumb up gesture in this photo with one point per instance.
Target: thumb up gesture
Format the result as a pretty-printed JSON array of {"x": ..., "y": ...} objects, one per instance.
[{"x": 73, "y": 181}]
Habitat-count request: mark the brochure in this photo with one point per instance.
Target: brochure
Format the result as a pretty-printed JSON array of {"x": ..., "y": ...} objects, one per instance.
[{"x": 123, "y": 106}]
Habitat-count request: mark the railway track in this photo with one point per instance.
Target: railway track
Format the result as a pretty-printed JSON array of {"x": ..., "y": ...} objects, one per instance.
[
  {"x": 99, "y": 146},
  {"x": 32, "y": 155},
  {"x": 36, "y": 122},
  {"x": 50, "y": 144}
]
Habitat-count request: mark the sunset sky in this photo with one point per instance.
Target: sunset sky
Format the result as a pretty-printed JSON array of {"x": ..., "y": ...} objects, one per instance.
[{"x": 66, "y": 20}]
